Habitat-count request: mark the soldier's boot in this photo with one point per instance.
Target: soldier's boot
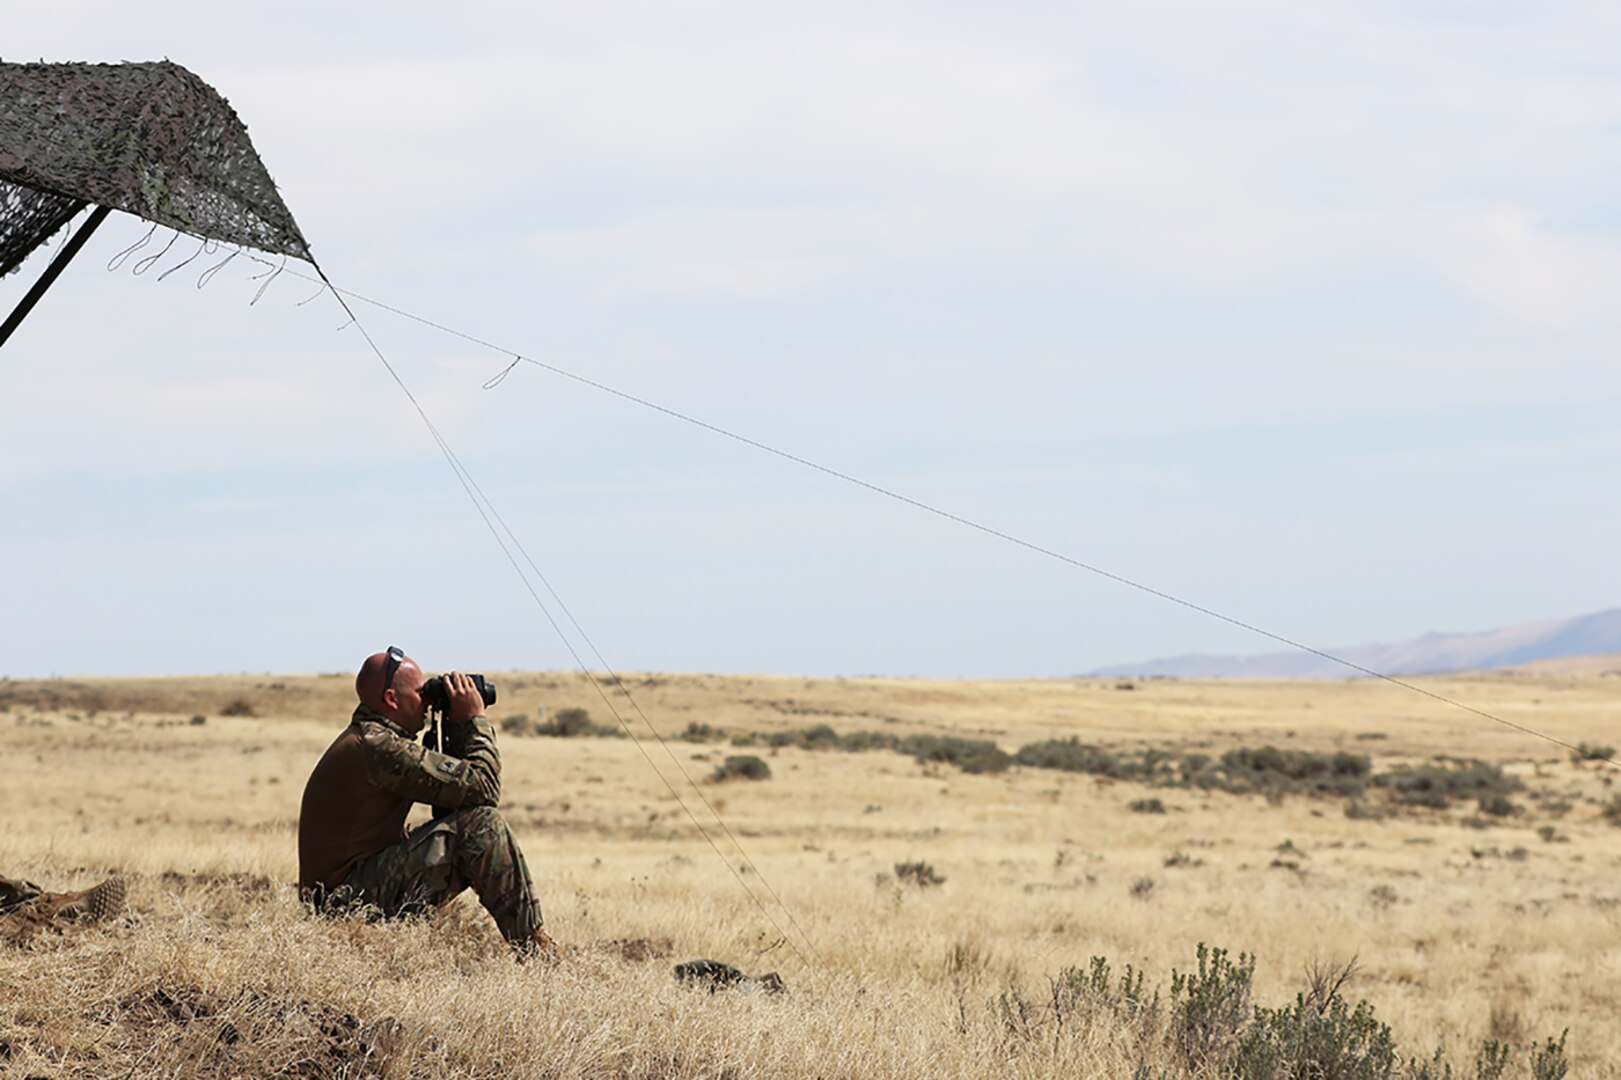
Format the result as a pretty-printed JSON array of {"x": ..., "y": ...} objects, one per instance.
[
  {"x": 88, "y": 905},
  {"x": 539, "y": 946}
]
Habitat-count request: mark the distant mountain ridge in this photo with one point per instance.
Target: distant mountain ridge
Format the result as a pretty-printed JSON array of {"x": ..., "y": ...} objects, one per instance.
[{"x": 1434, "y": 653}]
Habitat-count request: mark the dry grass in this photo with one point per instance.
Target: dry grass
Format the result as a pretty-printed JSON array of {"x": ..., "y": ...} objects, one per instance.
[{"x": 1460, "y": 933}]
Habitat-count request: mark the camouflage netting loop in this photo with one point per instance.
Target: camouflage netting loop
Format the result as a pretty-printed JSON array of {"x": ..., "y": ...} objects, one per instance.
[{"x": 151, "y": 139}]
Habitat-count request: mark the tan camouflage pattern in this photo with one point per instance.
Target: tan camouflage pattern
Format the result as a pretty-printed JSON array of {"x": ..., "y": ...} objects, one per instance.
[
  {"x": 468, "y": 773},
  {"x": 467, "y": 848}
]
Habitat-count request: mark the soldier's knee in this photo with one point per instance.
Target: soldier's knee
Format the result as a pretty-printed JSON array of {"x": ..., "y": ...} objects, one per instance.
[{"x": 479, "y": 819}]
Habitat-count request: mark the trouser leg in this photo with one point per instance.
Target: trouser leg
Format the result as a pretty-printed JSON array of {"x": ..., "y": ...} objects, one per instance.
[{"x": 472, "y": 847}]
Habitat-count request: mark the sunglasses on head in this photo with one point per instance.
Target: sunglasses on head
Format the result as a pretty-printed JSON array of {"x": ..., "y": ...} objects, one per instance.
[{"x": 396, "y": 656}]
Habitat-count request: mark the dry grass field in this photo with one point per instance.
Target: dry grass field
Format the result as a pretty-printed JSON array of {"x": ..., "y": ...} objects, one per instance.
[{"x": 1465, "y": 924}]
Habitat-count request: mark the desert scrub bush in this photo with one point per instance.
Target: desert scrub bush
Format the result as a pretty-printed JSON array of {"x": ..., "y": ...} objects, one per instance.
[
  {"x": 1146, "y": 806},
  {"x": 1269, "y": 769},
  {"x": 1436, "y": 785},
  {"x": 857, "y": 742},
  {"x": 740, "y": 767},
  {"x": 1548, "y": 1061},
  {"x": 969, "y": 755},
  {"x": 517, "y": 724},
  {"x": 1595, "y": 752},
  {"x": 920, "y": 874},
  {"x": 701, "y": 733},
  {"x": 818, "y": 737},
  {"x": 1072, "y": 755},
  {"x": 238, "y": 707},
  {"x": 573, "y": 723},
  {"x": 1210, "y": 1007},
  {"x": 566, "y": 723},
  {"x": 1211, "y": 1028},
  {"x": 1078, "y": 996},
  {"x": 1307, "y": 1040}
]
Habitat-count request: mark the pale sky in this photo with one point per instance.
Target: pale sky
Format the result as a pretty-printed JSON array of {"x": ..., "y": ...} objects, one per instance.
[{"x": 1305, "y": 313}]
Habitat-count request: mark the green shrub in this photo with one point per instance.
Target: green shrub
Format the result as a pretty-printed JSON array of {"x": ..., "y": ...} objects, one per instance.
[
  {"x": 1548, "y": 1060},
  {"x": 1210, "y": 1028},
  {"x": 1072, "y": 755},
  {"x": 1079, "y": 995},
  {"x": 741, "y": 767},
  {"x": 1210, "y": 1007},
  {"x": 1305, "y": 1040},
  {"x": 920, "y": 874},
  {"x": 858, "y": 741},
  {"x": 1492, "y": 1060},
  {"x": 1436, "y": 786},
  {"x": 517, "y": 724},
  {"x": 573, "y": 723},
  {"x": 969, "y": 755},
  {"x": 818, "y": 737},
  {"x": 1021, "y": 1018},
  {"x": 567, "y": 723},
  {"x": 1266, "y": 770},
  {"x": 1269, "y": 769}
]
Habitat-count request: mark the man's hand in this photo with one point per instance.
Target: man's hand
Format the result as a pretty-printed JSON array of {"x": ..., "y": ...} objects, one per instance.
[{"x": 465, "y": 700}]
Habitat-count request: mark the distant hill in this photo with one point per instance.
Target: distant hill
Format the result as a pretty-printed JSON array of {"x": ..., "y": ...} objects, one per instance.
[{"x": 1434, "y": 653}]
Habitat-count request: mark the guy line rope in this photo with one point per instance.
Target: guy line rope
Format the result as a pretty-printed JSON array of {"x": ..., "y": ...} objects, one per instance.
[
  {"x": 486, "y": 510},
  {"x": 969, "y": 523}
]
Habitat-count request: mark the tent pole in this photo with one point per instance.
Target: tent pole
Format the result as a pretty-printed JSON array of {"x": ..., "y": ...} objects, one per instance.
[{"x": 58, "y": 264}]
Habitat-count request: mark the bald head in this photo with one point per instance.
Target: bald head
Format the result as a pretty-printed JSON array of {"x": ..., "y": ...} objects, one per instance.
[{"x": 397, "y": 698}]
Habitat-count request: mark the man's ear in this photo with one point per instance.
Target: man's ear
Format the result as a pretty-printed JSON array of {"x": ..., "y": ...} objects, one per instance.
[{"x": 391, "y": 700}]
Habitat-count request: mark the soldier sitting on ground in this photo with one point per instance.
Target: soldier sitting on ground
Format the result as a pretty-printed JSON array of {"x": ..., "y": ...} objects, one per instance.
[{"x": 353, "y": 850}]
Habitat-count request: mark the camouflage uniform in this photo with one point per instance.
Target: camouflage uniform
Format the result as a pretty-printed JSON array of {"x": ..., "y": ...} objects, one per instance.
[{"x": 353, "y": 849}]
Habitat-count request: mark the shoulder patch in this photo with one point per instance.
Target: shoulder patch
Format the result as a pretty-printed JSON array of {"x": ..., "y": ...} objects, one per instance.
[{"x": 452, "y": 767}]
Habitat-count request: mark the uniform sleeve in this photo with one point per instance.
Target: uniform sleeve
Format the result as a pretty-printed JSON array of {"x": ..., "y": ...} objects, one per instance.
[{"x": 469, "y": 776}]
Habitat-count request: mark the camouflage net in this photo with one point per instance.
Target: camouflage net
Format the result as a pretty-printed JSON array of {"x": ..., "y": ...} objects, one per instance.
[{"x": 151, "y": 139}]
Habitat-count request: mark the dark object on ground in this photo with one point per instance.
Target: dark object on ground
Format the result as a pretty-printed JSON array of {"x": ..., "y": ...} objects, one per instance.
[
  {"x": 740, "y": 766},
  {"x": 719, "y": 976}
]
